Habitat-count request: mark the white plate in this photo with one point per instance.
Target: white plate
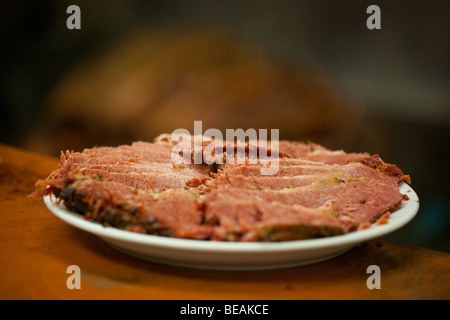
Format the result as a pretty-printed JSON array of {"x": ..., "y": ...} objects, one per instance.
[{"x": 237, "y": 255}]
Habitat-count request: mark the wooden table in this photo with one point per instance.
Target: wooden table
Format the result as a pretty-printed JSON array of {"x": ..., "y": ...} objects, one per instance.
[{"x": 37, "y": 248}]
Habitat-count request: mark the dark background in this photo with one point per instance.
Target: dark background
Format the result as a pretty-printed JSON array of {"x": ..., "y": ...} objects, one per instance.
[{"x": 397, "y": 77}]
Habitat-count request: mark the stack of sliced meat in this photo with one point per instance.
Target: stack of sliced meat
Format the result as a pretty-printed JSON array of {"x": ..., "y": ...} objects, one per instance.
[{"x": 145, "y": 188}]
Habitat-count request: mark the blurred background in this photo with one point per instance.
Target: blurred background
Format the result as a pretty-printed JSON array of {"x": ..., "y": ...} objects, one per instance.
[{"x": 311, "y": 69}]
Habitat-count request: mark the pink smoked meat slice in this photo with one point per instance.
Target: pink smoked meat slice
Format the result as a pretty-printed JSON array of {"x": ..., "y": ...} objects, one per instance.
[
  {"x": 267, "y": 182},
  {"x": 270, "y": 221},
  {"x": 354, "y": 169},
  {"x": 146, "y": 180},
  {"x": 319, "y": 153},
  {"x": 111, "y": 164},
  {"x": 361, "y": 200},
  {"x": 315, "y": 192},
  {"x": 173, "y": 213}
]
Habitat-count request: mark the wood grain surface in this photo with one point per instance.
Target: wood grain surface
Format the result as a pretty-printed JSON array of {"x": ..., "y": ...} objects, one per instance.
[{"x": 37, "y": 248}]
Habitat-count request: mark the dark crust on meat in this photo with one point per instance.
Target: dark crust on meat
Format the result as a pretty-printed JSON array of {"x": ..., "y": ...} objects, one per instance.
[
  {"x": 131, "y": 209},
  {"x": 276, "y": 233}
]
